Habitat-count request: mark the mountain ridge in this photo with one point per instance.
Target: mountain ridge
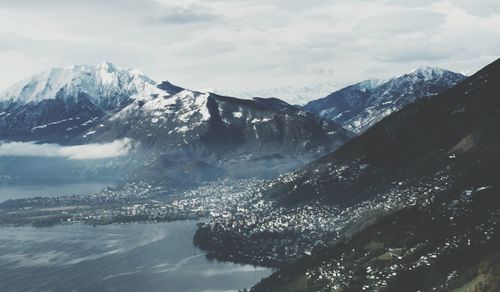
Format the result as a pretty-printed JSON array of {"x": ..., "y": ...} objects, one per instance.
[
  {"x": 101, "y": 104},
  {"x": 359, "y": 106}
]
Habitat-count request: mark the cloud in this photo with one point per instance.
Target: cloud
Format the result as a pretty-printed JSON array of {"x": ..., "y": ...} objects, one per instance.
[
  {"x": 411, "y": 50},
  {"x": 233, "y": 44},
  {"x": 401, "y": 22},
  {"x": 481, "y": 8},
  {"x": 415, "y": 53},
  {"x": 78, "y": 152},
  {"x": 210, "y": 48},
  {"x": 412, "y": 3},
  {"x": 182, "y": 15}
]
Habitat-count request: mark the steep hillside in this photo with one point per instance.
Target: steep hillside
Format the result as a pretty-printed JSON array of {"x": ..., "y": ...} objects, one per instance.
[
  {"x": 438, "y": 156},
  {"x": 446, "y": 239},
  {"x": 416, "y": 139}
]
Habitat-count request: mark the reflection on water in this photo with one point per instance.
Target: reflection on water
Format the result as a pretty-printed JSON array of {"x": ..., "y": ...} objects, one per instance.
[
  {"x": 25, "y": 191},
  {"x": 132, "y": 257}
]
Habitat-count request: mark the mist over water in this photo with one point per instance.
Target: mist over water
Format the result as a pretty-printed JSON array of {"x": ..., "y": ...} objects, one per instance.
[{"x": 78, "y": 152}]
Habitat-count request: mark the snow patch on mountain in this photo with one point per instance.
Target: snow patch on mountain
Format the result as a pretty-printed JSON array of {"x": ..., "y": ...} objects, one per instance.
[
  {"x": 428, "y": 73},
  {"x": 50, "y": 124},
  {"x": 161, "y": 107}
]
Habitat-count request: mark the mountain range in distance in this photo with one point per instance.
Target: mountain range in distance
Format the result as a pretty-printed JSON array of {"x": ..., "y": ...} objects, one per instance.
[
  {"x": 359, "y": 106},
  {"x": 165, "y": 126},
  {"x": 292, "y": 95}
]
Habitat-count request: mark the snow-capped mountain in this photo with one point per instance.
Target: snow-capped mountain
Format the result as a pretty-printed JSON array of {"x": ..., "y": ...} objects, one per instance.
[
  {"x": 106, "y": 85},
  {"x": 290, "y": 94},
  {"x": 359, "y": 106},
  {"x": 98, "y": 104},
  {"x": 175, "y": 124},
  {"x": 53, "y": 105}
]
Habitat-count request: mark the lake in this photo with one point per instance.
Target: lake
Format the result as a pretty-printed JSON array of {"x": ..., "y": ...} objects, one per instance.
[
  {"x": 25, "y": 191},
  {"x": 124, "y": 257}
]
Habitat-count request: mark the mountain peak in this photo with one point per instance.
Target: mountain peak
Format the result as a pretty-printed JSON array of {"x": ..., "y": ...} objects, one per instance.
[
  {"x": 370, "y": 83},
  {"x": 100, "y": 82},
  {"x": 428, "y": 72},
  {"x": 108, "y": 67},
  {"x": 107, "y": 64}
]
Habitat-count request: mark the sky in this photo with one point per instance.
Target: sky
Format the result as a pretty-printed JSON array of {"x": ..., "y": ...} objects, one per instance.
[{"x": 249, "y": 45}]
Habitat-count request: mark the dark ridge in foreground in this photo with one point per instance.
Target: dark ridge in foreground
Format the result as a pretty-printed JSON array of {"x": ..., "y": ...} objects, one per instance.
[
  {"x": 398, "y": 208},
  {"x": 449, "y": 241}
]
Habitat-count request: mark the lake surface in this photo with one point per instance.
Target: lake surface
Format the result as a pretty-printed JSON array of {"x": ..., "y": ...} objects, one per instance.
[
  {"x": 25, "y": 191},
  {"x": 131, "y": 257}
]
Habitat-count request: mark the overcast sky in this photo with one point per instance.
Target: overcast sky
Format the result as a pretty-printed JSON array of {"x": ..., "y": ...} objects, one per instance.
[{"x": 239, "y": 45}]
